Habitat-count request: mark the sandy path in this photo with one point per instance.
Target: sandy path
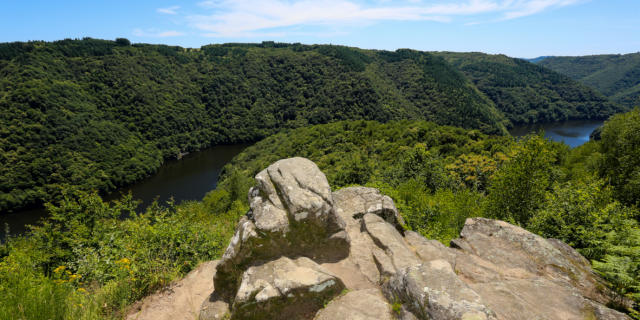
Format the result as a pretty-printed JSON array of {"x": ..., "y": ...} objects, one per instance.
[{"x": 182, "y": 300}]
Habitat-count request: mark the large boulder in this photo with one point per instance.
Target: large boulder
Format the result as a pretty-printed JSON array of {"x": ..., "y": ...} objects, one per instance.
[
  {"x": 516, "y": 250},
  {"x": 351, "y": 205},
  {"x": 515, "y": 272},
  {"x": 291, "y": 215}
]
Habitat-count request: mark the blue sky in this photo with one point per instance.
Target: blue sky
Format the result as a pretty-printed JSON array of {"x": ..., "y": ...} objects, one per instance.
[{"x": 519, "y": 28}]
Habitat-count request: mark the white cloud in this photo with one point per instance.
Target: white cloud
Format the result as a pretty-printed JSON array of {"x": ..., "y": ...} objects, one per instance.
[
  {"x": 169, "y": 10},
  {"x": 156, "y": 34},
  {"x": 535, "y": 6},
  {"x": 247, "y": 18}
]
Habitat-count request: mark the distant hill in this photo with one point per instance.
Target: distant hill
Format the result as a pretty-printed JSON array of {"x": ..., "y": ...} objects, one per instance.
[
  {"x": 616, "y": 76},
  {"x": 527, "y": 93},
  {"x": 99, "y": 114}
]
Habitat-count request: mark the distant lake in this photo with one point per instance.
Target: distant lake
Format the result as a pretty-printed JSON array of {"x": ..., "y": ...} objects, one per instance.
[
  {"x": 573, "y": 132},
  {"x": 187, "y": 179}
]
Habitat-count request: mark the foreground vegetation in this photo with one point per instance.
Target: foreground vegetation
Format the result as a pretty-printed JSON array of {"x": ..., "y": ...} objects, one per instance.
[
  {"x": 88, "y": 262},
  {"x": 615, "y": 75},
  {"x": 99, "y": 114}
]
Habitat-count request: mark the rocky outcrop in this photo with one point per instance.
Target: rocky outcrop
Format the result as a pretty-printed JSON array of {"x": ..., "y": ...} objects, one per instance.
[
  {"x": 292, "y": 214},
  {"x": 304, "y": 252},
  {"x": 513, "y": 269}
]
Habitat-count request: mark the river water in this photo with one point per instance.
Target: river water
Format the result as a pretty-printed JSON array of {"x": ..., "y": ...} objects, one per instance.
[
  {"x": 196, "y": 174},
  {"x": 574, "y": 132},
  {"x": 187, "y": 179}
]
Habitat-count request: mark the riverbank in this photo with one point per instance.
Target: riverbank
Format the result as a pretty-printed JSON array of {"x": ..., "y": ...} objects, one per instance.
[
  {"x": 189, "y": 178},
  {"x": 573, "y": 132}
]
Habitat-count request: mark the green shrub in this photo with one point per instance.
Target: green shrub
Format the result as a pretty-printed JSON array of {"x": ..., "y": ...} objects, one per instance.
[
  {"x": 584, "y": 215},
  {"x": 519, "y": 186},
  {"x": 621, "y": 149}
]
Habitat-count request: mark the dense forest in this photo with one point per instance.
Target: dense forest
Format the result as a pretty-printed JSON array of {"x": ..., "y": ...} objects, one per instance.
[
  {"x": 616, "y": 76},
  {"x": 527, "y": 93},
  {"x": 85, "y": 262},
  {"x": 98, "y": 114}
]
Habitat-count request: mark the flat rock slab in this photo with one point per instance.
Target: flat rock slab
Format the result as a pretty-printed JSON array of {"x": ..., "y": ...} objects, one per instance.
[
  {"x": 433, "y": 291},
  {"x": 366, "y": 304},
  {"x": 284, "y": 289}
]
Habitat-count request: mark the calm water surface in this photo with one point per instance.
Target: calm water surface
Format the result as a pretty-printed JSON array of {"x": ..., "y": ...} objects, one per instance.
[
  {"x": 187, "y": 179},
  {"x": 196, "y": 174},
  {"x": 573, "y": 133}
]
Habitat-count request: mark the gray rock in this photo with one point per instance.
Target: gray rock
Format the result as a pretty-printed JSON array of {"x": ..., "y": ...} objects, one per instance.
[
  {"x": 302, "y": 188},
  {"x": 214, "y": 308},
  {"x": 284, "y": 289},
  {"x": 291, "y": 215},
  {"x": 390, "y": 240},
  {"x": 350, "y": 207},
  {"x": 433, "y": 291},
  {"x": 355, "y": 202},
  {"x": 366, "y": 304},
  {"x": 512, "y": 248},
  {"x": 428, "y": 250},
  {"x": 515, "y": 272}
]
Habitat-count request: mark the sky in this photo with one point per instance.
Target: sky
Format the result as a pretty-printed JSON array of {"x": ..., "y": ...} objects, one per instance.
[{"x": 518, "y": 28}]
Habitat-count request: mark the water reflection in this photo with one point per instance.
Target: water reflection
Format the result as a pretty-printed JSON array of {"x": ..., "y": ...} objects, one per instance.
[
  {"x": 187, "y": 179},
  {"x": 573, "y": 132}
]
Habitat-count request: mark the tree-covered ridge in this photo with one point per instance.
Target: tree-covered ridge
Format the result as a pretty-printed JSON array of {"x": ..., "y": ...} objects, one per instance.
[
  {"x": 99, "y": 114},
  {"x": 616, "y": 76},
  {"x": 88, "y": 263},
  {"x": 527, "y": 93}
]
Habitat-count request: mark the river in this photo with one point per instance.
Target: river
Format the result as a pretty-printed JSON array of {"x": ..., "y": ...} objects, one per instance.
[
  {"x": 189, "y": 178},
  {"x": 196, "y": 174},
  {"x": 574, "y": 132}
]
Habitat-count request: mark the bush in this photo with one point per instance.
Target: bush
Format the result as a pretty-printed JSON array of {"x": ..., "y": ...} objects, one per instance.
[
  {"x": 621, "y": 148},
  {"x": 585, "y": 216},
  {"x": 519, "y": 186},
  {"x": 86, "y": 246}
]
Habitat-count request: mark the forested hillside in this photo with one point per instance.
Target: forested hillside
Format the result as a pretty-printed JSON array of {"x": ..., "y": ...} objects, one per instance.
[
  {"x": 97, "y": 114},
  {"x": 527, "y": 93},
  {"x": 616, "y": 76},
  {"x": 88, "y": 263}
]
